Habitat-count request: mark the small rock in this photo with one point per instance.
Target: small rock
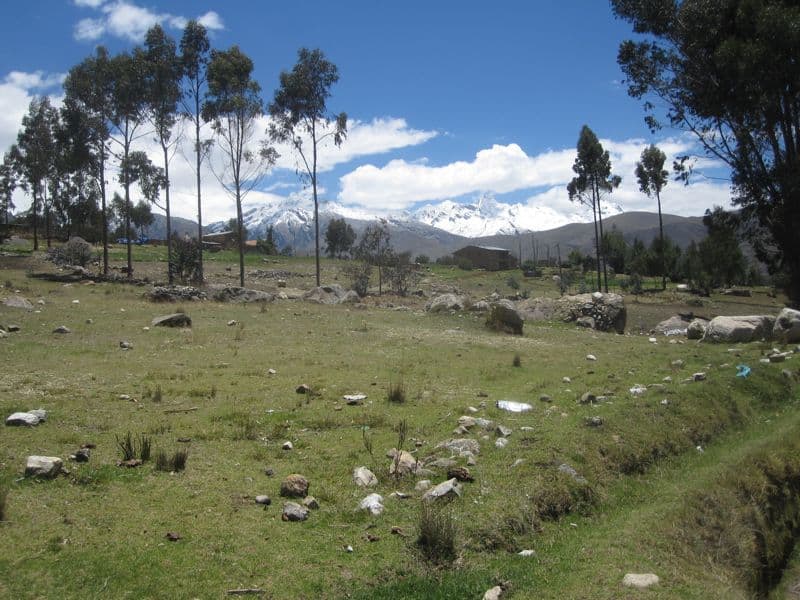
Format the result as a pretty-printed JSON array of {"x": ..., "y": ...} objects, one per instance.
[
  {"x": 494, "y": 593},
  {"x": 667, "y": 379},
  {"x": 566, "y": 380},
  {"x": 62, "y": 329},
  {"x": 173, "y": 320},
  {"x": 501, "y": 442},
  {"x": 310, "y": 503},
  {"x": 294, "y": 486},
  {"x": 652, "y": 340},
  {"x": 172, "y": 536},
  {"x": 354, "y": 399},
  {"x": 640, "y": 580},
  {"x": 130, "y": 463},
  {"x": 271, "y": 372},
  {"x": 232, "y": 322},
  {"x": 22, "y": 418},
  {"x": 125, "y": 345},
  {"x": 677, "y": 364},
  {"x": 461, "y": 445},
  {"x": 400, "y": 495},
  {"x": 527, "y": 553},
  {"x": 570, "y": 471},
  {"x": 472, "y": 409},
  {"x": 545, "y": 398},
  {"x": 460, "y": 474},
  {"x": 43, "y": 466},
  {"x": 287, "y": 445},
  {"x": 12, "y": 328},
  {"x": 264, "y": 500},
  {"x": 348, "y": 549},
  {"x": 591, "y": 357},
  {"x": 82, "y": 455},
  {"x": 699, "y": 377},
  {"x": 303, "y": 389},
  {"x": 503, "y": 430},
  {"x": 638, "y": 390},
  {"x": 449, "y": 490},
  {"x": 423, "y": 485},
  {"x": 269, "y": 471},
  {"x": 373, "y": 504},
  {"x": 594, "y": 421},
  {"x": 511, "y": 406},
  {"x": 664, "y": 402},
  {"x": 588, "y": 398},
  {"x": 294, "y": 512},
  {"x": 363, "y": 477},
  {"x": 76, "y": 301}
]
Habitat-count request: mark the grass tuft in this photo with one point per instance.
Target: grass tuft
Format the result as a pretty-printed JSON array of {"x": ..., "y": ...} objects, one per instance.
[
  {"x": 517, "y": 362},
  {"x": 396, "y": 393},
  {"x": 437, "y": 533}
]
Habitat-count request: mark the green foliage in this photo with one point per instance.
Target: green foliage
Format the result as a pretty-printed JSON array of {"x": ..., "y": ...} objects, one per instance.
[
  {"x": 517, "y": 362},
  {"x": 396, "y": 393},
  {"x": 512, "y": 282},
  {"x": 185, "y": 259},
  {"x": 339, "y": 238},
  {"x": 725, "y": 71},
  {"x": 401, "y": 274},
  {"x": 437, "y": 533},
  {"x": 174, "y": 463},
  {"x": 358, "y": 273},
  {"x": 374, "y": 248},
  {"x": 422, "y": 259},
  {"x": 267, "y": 246},
  {"x": 131, "y": 448}
]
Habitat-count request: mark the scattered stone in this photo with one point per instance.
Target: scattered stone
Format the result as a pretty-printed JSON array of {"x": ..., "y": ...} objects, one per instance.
[
  {"x": 125, "y": 345},
  {"x": 787, "y": 374},
  {"x": 82, "y": 455},
  {"x": 172, "y": 536},
  {"x": 294, "y": 512},
  {"x": 448, "y": 490},
  {"x": 400, "y": 495},
  {"x": 303, "y": 389},
  {"x": 587, "y": 398},
  {"x": 130, "y": 463},
  {"x": 232, "y": 322},
  {"x": 263, "y": 500},
  {"x": 446, "y": 303},
  {"x": 18, "y": 302},
  {"x": 326, "y": 294},
  {"x": 461, "y": 445},
  {"x": 675, "y": 325},
  {"x": 173, "y": 320},
  {"x": 594, "y": 422},
  {"x": 402, "y": 464},
  {"x": 460, "y": 474},
  {"x": 373, "y": 504},
  {"x": 311, "y": 503},
  {"x": 43, "y": 466},
  {"x": 503, "y": 430},
  {"x": 62, "y": 329},
  {"x": 696, "y": 329},
  {"x": 235, "y": 294},
  {"x": 667, "y": 379},
  {"x": 472, "y": 409},
  {"x": 638, "y": 390},
  {"x": 175, "y": 293},
  {"x": 441, "y": 463},
  {"x": 640, "y": 580},
  {"x": 699, "y": 377},
  {"x": 125, "y": 397},
  {"x": 354, "y": 399},
  {"x": 12, "y": 328},
  {"x": 787, "y": 326},
  {"x": 545, "y": 398},
  {"x": 422, "y": 485},
  {"x": 494, "y": 593},
  {"x": 294, "y": 486},
  {"x": 566, "y": 380},
  {"x": 287, "y": 445},
  {"x": 779, "y": 357},
  {"x": 676, "y": 364},
  {"x": 349, "y": 549},
  {"x": 527, "y": 553},
  {"x": 504, "y": 317},
  {"x": 571, "y": 472},
  {"x": 591, "y": 357},
  {"x": 652, "y": 340},
  {"x": 515, "y": 407},
  {"x": 398, "y": 531},
  {"x": 363, "y": 477},
  {"x": 28, "y": 419},
  {"x": 271, "y": 372},
  {"x": 269, "y": 471}
]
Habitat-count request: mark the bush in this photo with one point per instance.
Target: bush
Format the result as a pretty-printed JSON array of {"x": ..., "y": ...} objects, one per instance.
[
  {"x": 132, "y": 448},
  {"x": 512, "y": 282},
  {"x": 185, "y": 259},
  {"x": 176, "y": 462},
  {"x": 396, "y": 393},
  {"x": 517, "y": 362},
  {"x": 359, "y": 273},
  {"x": 437, "y": 533},
  {"x": 422, "y": 259}
]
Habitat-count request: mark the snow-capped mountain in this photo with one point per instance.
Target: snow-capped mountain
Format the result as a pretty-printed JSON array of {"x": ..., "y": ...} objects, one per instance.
[{"x": 488, "y": 217}]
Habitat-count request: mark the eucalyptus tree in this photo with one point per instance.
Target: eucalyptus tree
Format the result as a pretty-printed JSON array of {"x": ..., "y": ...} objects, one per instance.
[
  {"x": 8, "y": 184},
  {"x": 652, "y": 178},
  {"x": 195, "y": 49},
  {"x": 163, "y": 72},
  {"x": 299, "y": 112},
  {"x": 88, "y": 90},
  {"x": 232, "y": 106},
  {"x": 34, "y": 155},
  {"x": 592, "y": 179},
  {"x": 128, "y": 112},
  {"x": 727, "y": 72}
]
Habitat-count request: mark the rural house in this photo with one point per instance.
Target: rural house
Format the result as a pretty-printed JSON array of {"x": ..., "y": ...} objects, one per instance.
[{"x": 487, "y": 257}]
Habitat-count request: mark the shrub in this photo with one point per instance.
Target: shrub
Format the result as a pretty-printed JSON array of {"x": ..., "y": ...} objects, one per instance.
[
  {"x": 127, "y": 446},
  {"x": 422, "y": 259},
  {"x": 131, "y": 447},
  {"x": 185, "y": 259},
  {"x": 176, "y": 462},
  {"x": 437, "y": 533},
  {"x": 517, "y": 360},
  {"x": 512, "y": 282},
  {"x": 396, "y": 393},
  {"x": 76, "y": 251},
  {"x": 359, "y": 273}
]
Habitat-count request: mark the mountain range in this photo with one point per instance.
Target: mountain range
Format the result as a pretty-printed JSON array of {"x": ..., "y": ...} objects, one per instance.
[{"x": 438, "y": 230}]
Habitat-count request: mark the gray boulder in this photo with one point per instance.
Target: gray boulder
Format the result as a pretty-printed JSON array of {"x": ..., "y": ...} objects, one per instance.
[
  {"x": 363, "y": 477},
  {"x": 24, "y": 418},
  {"x": 175, "y": 293},
  {"x": 18, "y": 302},
  {"x": 446, "y": 303},
  {"x": 292, "y": 511},
  {"x": 458, "y": 446},
  {"x": 696, "y": 329},
  {"x": 173, "y": 320},
  {"x": 350, "y": 297},
  {"x": 675, "y": 325},
  {"x": 326, "y": 294},
  {"x": 504, "y": 317},
  {"x": 602, "y": 312},
  {"x": 372, "y": 504},
  {"x": 235, "y": 294},
  {"x": 787, "y": 326},
  {"x": 733, "y": 330},
  {"x": 43, "y": 466},
  {"x": 294, "y": 486}
]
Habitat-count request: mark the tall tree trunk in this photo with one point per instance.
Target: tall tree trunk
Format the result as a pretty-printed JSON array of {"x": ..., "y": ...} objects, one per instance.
[
  {"x": 35, "y": 225},
  {"x": 661, "y": 237},
  {"x": 103, "y": 209},
  {"x": 127, "y": 186},
  {"x": 596, "y": 241},
  {"x": 199, "y": 205},
  {"x": 46, "y": 210},
  {"x": 240, "y": 235},
  {"x": 170, "y": 266},
  {"x": 316, "y": 204},
  {"x": 603, "y": 254}
]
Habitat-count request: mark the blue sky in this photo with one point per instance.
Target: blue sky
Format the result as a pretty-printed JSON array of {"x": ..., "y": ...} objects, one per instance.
[{"x": 448, "y": 100}]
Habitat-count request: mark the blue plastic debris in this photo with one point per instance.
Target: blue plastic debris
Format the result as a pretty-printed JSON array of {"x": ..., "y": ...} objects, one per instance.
[{"x": 742, "y": 370}]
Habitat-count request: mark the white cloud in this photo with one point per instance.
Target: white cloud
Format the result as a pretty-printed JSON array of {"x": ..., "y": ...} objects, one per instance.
[
  {"x": 400, "y": 185},
  {"x": 129, "y": 21}
]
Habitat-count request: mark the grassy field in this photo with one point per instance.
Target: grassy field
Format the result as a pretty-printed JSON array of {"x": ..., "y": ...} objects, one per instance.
[{"x": 649, "y": 470}]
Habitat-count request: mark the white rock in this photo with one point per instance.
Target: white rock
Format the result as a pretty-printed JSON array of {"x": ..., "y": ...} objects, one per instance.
[
  {"x": 494, "y": 593},
  {"x": 287, "y": 445},
  {"x": 527, "y": 553},
  {"x": 447, "y": 489},
  {"x": 272, "y": 371},
  {"x": 372, "y": 503},
  {"x": 511, "y": 406},
  {"x": 23, "y": 418},
  {"x": 501, "y": 442},
  {"x": 423, "y": 485},
  {"x": 652, "y": 340},
  {"x": 591, "y": 357},
  {"x": 638, "y": 390},
  {"x": 43, "y": 466},
  {"x": 354, "y": 399},
  {"x": 640, "y": 580},
  {"x": 363, "y": 477},
  {"x": 566, "y": 380}
]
